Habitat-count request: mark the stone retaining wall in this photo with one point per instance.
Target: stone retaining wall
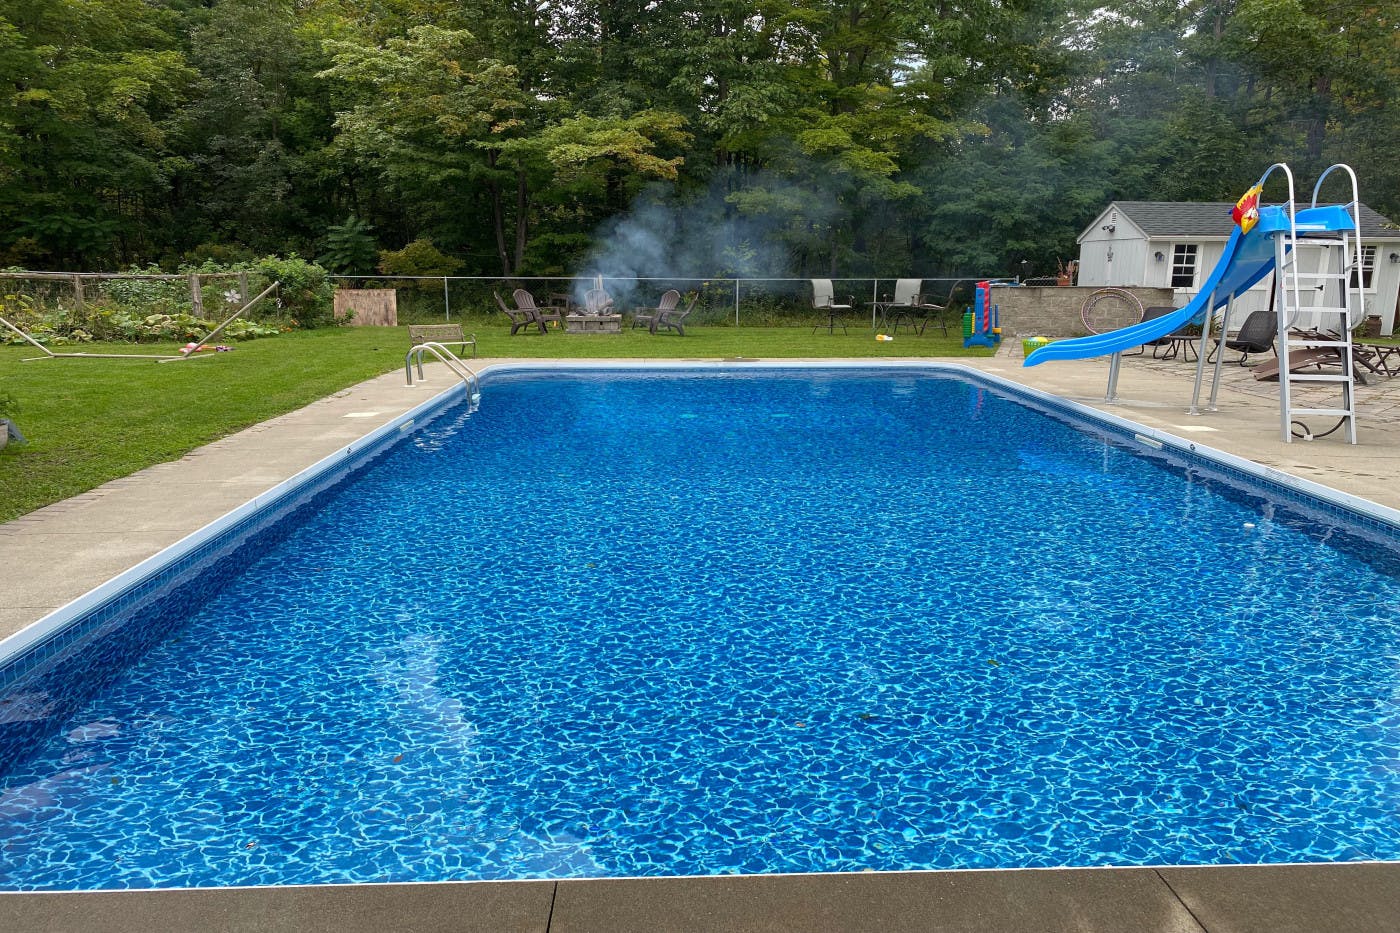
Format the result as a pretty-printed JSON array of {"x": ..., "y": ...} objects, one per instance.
[{"x": 1054, "y": 311}]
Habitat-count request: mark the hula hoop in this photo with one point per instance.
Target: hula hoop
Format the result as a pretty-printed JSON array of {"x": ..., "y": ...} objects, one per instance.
[{"x": 1102, "y": 325}]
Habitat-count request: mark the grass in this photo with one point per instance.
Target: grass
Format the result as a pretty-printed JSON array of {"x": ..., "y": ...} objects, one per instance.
[{"x": 94, "y": 420}]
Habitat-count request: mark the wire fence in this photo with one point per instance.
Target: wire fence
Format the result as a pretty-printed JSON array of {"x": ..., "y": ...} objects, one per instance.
[
  {"x": 76, "y": 307},
  {"x": 720, "y": 301},
  {"x": 95, "y": 303}
]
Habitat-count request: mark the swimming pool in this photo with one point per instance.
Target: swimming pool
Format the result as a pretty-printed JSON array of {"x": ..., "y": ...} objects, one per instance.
[{"x": 696, "y": 623}]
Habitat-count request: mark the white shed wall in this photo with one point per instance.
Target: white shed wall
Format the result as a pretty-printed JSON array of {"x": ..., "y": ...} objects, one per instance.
[
  {"x": 1126, "y": 256},
  {"x": 1386, "y": 283},
  {"x": 1116, "y": 258}
]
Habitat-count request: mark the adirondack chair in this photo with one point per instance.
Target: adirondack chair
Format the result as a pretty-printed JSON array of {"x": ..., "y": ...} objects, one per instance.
[
  {"x": 526, "y": 302},
  {"x": 646, "y": 317},
  {"x": 519, "y": 317},
  {"x": 674, "y": 319}
]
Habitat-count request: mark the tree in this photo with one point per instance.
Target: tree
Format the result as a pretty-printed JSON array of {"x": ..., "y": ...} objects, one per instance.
[{"x": 86, "y": 118}]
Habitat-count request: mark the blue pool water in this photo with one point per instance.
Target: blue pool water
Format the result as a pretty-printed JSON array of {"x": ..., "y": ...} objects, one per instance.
[{"x": 673, "y": 624}]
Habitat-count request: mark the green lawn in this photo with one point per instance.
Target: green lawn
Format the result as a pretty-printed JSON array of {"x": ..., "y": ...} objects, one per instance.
[{"x": 90, "y": 421}]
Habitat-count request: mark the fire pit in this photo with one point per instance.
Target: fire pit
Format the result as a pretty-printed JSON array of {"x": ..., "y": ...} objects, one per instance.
[
  {"x": 592, "y": 323},
  {"x": 597, "y": 316}
]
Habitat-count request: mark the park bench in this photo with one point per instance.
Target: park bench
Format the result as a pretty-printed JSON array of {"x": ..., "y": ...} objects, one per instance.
[{"x": 445, "y": 334}]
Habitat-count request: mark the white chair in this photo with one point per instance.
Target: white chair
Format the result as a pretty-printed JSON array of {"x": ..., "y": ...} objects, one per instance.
[{"x": 824, "y": 299}]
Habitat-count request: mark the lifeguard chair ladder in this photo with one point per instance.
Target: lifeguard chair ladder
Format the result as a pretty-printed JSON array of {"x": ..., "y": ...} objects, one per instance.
[{"x": 1320, "y": 266}]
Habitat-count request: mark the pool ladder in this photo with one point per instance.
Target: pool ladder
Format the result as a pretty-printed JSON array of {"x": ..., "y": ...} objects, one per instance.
[
  {"x": 1332, "y": 287},
  {"x": 450, "y": 359}
]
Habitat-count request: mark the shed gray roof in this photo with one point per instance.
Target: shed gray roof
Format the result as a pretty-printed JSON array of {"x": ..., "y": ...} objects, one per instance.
[{"x": 1212, "y": 218}]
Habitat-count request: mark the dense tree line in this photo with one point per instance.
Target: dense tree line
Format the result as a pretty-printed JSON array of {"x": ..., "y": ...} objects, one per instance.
[{"x": 691, "y": 136}]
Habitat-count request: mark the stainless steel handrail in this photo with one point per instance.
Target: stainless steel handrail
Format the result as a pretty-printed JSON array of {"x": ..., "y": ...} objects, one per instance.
[{"x": 447, "y": 357}]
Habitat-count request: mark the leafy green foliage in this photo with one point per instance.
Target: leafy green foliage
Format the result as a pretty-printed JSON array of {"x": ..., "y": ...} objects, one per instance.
[
  {"x": 420, "y": 257},
  {"x": 349, "y": 247},
  {"x": 306, "y": 295},
  {"x": 819, "y": 136}
]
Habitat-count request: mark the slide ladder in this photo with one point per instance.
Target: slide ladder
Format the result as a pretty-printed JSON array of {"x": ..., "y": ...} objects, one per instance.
[{"x": 1319, "y": 276}]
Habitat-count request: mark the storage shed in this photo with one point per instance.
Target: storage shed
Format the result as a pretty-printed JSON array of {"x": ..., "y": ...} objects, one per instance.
[{"x": 1175, "y": 244}]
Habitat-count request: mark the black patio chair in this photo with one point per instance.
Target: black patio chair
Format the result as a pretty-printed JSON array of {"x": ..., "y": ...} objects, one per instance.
[{"x": 1257, "y": 334}]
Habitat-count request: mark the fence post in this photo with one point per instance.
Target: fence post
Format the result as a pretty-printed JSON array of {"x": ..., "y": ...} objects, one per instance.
[
  {"x": 196, "y": 296},
  {"x": 78, "y": 302},
  {"x": 736, "y": 302},
  {"x": 242, "y": 286},
  {"x": 446, "y": 299}
]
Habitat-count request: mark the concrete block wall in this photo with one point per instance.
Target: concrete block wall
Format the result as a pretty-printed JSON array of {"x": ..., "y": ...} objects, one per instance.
[{"x": 1055, "y": 311}]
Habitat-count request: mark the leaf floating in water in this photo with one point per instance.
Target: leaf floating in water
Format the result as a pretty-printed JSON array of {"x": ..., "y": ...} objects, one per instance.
[
  {"x": 116, "y": 780},
  {"x": 993, "y": 662},
  {"x": 590, "y": 564},
  {"x": 398, "y": 758},
  {"x": 251, "y": 845},
  {"x": 866, "y": 717},
  {"x": 800, "y": 725}
]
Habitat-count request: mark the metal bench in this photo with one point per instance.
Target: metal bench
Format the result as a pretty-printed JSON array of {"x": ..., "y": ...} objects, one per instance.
[{"x": 444, "y": 334}]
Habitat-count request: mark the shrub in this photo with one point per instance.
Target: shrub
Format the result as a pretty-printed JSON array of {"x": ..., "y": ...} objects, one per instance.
[
  {"x": 307, "y": 295},
  {"x": 349, "y": 247},
  {"x": 420, "y": 257}
]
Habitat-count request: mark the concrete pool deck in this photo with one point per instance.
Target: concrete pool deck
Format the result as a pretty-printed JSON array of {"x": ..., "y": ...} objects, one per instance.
[{"x": 57, "y": 553}]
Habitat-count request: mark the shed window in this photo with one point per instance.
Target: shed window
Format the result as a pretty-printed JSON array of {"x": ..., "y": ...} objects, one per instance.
[
  {"x": 1368, "y": 268},
  {"x": 1184, "y": 265}
]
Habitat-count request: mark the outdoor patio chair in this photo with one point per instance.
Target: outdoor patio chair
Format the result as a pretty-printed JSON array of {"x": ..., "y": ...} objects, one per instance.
[
  {"x": 519, "y": 317},
  {"x": 1256, "y": 335},
  {"x": 646, "y": 317},
  {"x": 824, "y": 299},
  {"x": 928, "y": 312},
  {"x": 526, "y": 302},
  {"x": 899, "y": 308},
  {"x": 674, "y": 319},
  {"x": 1168, "y": 346}
]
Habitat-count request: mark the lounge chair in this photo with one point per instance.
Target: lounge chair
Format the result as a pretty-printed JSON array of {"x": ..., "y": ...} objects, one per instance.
[
  {"x": 1257, "y": 334},
  {"x": 674, "y": 319},
  {"x": 1299, "y": 358},
  {"x": 519, "y": 317},
  {"x": 526, "y": 302},
  {"x": 824, "y": 299},
  {"x": 1322, "y": 358},
  {"x": 646, "y": 317}
]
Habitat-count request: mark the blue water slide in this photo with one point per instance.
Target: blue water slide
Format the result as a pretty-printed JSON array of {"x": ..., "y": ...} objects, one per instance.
[{"x": 1247, "y": 258}]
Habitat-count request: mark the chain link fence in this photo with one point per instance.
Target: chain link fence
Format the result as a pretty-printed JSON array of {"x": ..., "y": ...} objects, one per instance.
[
  {"x": 722, "y": 301},
  {"x": 69, "y": 308}
]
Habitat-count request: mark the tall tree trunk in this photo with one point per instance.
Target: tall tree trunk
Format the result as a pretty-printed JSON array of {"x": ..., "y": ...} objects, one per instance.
[
  {"x": 498, "y": 218},
  {"x": 522, "y": 216}
]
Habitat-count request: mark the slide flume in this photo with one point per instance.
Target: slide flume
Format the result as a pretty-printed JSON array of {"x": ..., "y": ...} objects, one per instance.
[{"x": 1247, "y": 258}]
